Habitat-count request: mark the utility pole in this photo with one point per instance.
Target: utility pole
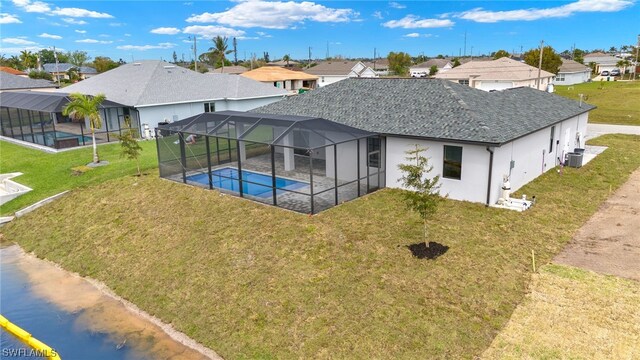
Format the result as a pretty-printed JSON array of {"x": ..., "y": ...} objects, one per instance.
[
  {"x": 465, "y": 43},
  {"x": 327, "y": 57},
  {"x": 55, "y": 56},
  {"x": 195, "y": 54},
  {"x": 235, "y": 51},
  {"x": 540, "y": 63},
  {"x": 374, "y": 59},
  {"x": 636, "y": 64},
  {"x": 309, "y": 63}
]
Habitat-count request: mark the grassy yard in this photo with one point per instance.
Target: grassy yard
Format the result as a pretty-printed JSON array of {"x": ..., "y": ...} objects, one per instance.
[
  {"x": 48, "y": 174},
  {"x": 253, "y": 281},
  {"x": 573, "y": 314},
  {"x": 617, "y": 101}
]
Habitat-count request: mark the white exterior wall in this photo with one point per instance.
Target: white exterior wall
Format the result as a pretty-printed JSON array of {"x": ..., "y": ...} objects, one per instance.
[
  {"x": 493, "y": 85},
  {"x": 530, "y": 155},
  {"x": 472, "y": 185},
  {"x": 153, "y": 114},
  {"x": 573, "y": 78},
  {"x": 330, "y": 79}
]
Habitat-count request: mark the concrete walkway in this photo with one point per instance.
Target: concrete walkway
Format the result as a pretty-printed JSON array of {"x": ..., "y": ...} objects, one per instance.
[{"x": 595, "y": 130}]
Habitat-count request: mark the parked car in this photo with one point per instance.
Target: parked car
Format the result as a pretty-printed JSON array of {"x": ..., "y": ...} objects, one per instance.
[
  {"x": 604, "y": 73},
  {"x": 615, "y": 72}
]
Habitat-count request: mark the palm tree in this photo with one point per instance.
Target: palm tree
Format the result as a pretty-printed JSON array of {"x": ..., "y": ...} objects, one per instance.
[
  {"x": 622, "y": 64},
  {"x": 86, "y": 107},
  {"x": 28, "y": 59},
  {"x": 286, "y": 58},
  {"x": 219, "y": 49}
]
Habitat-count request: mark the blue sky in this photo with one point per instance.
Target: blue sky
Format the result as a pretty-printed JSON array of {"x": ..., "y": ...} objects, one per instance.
[{"x": 154, "y": 29}]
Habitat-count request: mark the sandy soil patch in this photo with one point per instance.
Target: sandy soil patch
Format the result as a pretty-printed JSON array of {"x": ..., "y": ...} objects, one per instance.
[{"x": 609, "y": 243}]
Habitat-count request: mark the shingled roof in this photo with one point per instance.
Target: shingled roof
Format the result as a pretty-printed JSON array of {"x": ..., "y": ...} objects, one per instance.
[
  {"x": 431, "y": 108},
  {"x": 15, "y": 82},
  {"x": 570, "y": 66},
  {"x": 156, "y": 82},
  {"x": 500, "y": 69}
]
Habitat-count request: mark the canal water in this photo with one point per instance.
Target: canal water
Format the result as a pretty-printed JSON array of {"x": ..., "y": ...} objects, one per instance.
[{"x": 75, "y": 318}]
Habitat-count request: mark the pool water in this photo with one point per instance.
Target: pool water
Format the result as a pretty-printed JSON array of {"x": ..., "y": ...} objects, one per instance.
[
  {"x": 253, "y": 183},
  {"x": 48, "y": 139}
]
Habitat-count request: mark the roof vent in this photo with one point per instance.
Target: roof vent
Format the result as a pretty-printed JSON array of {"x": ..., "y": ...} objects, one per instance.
[
  {"x": 137, "y": 64},
  {"x": 169, "y": 66}
]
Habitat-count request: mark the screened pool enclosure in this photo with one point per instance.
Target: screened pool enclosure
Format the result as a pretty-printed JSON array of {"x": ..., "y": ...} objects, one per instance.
[{"x": 304, "y": 164}]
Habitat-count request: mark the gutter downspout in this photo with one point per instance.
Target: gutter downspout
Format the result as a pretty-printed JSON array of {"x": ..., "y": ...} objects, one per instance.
[{"x": 490, "y": 150}]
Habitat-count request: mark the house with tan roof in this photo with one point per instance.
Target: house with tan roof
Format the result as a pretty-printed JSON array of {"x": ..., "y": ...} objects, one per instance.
[
  {"x": 500, "y": 74},
  {"x": 282, "y": 78},
  {"x": 336, "y": 70},
  {"x": 572, "y": 72},
  {"x": 235, "y": 70},
  {"x": 604, "y": 62},
  {"x": 12, "y": 71}
]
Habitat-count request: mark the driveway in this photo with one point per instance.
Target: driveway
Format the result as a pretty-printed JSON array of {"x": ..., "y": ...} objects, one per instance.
[
  {"x": 609, "y": 243},
  {"x": 595, "y": 130}
]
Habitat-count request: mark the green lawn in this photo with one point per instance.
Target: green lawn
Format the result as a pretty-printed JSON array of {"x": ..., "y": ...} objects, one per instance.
[
  {"x": 255, "y": 281},
  {"x": 617, "y": 101},
  {"x": 48, "y": 174}
]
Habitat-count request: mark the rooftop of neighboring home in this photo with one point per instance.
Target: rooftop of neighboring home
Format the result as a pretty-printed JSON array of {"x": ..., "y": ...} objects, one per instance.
[
  {"x": 500, "y": 69},
  {"x": 600, "y": 58},
  {"x": 432, "y": 108},
  {"x": 283, "y": 63},
  {"x": 379, "y": 64},
  {"x": 11, "y": 71},
  {"x": 154, "y": 82},
  {"x": 229, "y": 70},
  {"x": 570, "y": 66},
  {"x": 276, "y": 73},
  {"x": 15, "y": 82},
  {"x": 440, "y": 63},
  {"x": 64, "y": 67},
  {"x": 335, "y": 67}
]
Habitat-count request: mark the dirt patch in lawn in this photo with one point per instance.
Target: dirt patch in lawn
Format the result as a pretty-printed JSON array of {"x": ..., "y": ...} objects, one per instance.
[{"x": 609, "y": 242}]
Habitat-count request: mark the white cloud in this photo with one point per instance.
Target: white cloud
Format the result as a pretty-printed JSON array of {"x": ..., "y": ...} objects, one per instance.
[
  {"x": 94, "y": 41},
  {"x": 35, "y": 7},
  {"x": 81, "y": 31},
  {"x": 274, "y": 14},
  {"x": 74, "y": 21},
  {"x": 396, "y": 5},
  {"x": 50, "y": 36},
  {"x": 104, "y": 35},
  {"x": 146, "y": 47},
  {"x": 210, "y": 31},
  {"x": 263, "y": 34},
  {"x": 378, "y": 15},
  {"x": 166, "y": 31},
  {"x": 9, "y": 19},
  {"x": 187, "y": 3},
  {"x": 127, "y": 35},
  {"x": 417, "y": 35},
  {"x": 414, "y": 22},
  {"x": 116, "y": 24},
  {"x": 76, "y": 12},
  {"x": 486, "y": 16},
  {"x": 17, "y": 50},
  {"x": 18, "y": 41}
]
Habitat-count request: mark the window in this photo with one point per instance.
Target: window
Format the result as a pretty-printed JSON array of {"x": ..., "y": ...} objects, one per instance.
[
  {"x": 463, "y": 82},
  {"x": 560, "y": 77},
  {"x": 209, "y": 107},
  {"x": 452, "y": 168},
  {"x": 323, "y": 79},
  {"x": 373, "y": 152},
  {"x": 553, "y": 133}
]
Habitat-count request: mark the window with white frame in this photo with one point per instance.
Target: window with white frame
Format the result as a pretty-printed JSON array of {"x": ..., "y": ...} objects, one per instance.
[{"x": 209, "y": 107}]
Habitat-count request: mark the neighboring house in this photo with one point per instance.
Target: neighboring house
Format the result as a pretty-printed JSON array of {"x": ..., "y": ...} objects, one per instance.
[
  {"x": 473, "y": 137},
  {"x": 500, "y": 74},
  {"x": 283, "y": 63},
  {"x": 380, "y": 66},
  {"x": 604, "y": 62},
  {"x": 60, "y": 71},
  {"x": 13, "y": 71},
  {"x": 159, "y": 91},
  {"x": 572, "y": 72},
  {"x": 235, "y": 70},
  {"x": 423, "y": 69},
  {"x": 282, "y": 78},
  {"x": 330, "y": 72},
  {"x": 10, "y": 82}
]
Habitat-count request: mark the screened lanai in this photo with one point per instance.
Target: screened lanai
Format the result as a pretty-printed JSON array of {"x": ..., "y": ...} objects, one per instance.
[
  {"x": 304, "y": 164},
  {"x": 36, "y": 117}
]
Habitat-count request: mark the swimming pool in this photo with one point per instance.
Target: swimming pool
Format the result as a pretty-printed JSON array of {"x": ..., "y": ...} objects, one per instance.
[
  {"x": 260, "y": 185},
  {"x": 48, "y": 138}
]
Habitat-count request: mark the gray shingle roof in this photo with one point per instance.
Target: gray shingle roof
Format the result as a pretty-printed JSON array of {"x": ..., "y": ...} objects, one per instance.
[
  {"x": 15, "y": 82},
  {"x": 333, "y": 67},
  {"x": 158, "y": 82},
  {"x": 431, "y": 108},
  {"x": 64, "y": 67},
  {"x": 570, "y": 66},
  {"x": 440, "y": 63}
]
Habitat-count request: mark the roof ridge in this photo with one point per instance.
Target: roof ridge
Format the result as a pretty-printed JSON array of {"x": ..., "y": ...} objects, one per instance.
[{"x": 147, "y": 81}]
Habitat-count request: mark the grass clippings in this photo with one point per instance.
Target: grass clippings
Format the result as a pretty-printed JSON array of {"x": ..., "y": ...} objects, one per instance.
[{"x": 573, "y": 314}]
